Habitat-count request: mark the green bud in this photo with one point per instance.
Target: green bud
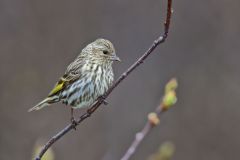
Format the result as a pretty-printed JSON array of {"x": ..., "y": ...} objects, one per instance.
[
  {"x": 171, "y": 85},
  {"x": 169, "y": 99}
]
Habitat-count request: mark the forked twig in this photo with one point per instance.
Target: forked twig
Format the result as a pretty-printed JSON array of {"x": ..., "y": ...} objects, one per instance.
[
  {"x": 168, "y": 100},
  {"x": 69, "y": 127}
]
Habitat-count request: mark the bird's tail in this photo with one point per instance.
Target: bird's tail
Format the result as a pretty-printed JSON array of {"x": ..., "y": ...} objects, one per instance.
[{"x": 46, "y": 102}]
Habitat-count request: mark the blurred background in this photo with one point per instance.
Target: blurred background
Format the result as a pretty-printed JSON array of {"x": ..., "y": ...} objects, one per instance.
[{"x": 40, "y": 38}]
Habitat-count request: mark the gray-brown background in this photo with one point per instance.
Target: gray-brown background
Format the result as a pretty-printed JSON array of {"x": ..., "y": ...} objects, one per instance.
[{"x": 38, "y": 39}]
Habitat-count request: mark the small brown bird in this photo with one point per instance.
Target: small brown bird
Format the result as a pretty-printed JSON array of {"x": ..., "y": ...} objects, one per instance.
[{"x": 88, "y": 77}]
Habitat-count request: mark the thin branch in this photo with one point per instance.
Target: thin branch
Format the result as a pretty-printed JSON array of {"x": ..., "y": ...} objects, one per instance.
[
  {"x": 168, "y": 100},
  {"x": 69, "y": 127},
  {"x": 141, "y": 135}
]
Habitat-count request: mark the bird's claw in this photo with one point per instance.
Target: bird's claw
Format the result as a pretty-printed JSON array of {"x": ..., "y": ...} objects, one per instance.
[
  {"x": 103, "y": 99},
  {"x": 105, "y": 102},
  {"x": 74, "y": 123}
]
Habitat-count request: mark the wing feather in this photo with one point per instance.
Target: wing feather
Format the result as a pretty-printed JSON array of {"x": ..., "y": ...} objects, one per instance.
[{"x": 72, "y": 73}]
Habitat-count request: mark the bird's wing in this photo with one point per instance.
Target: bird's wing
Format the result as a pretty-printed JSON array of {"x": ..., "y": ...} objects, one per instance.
[
  {"x": 70, "y": 76},
  {"x": 72, "y": 73},
  {"x": 63, "y": 82}
]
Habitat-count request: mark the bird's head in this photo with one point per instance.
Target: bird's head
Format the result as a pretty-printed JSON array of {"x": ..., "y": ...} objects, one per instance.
[{"x": 100, "y": 51}]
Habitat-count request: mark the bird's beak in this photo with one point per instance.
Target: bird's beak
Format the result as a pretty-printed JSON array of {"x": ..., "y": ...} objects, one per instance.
[{"x": 115, "y": 58}]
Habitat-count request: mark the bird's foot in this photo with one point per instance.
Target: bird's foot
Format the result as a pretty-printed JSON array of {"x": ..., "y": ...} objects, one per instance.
[
  {"x": 74, "y": 123},
  {"x": 103, "y": 99},
  {"x": 105, "y": 102}
]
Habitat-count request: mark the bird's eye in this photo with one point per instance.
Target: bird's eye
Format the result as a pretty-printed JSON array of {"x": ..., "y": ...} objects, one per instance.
[{"x": 105, "y": 52}]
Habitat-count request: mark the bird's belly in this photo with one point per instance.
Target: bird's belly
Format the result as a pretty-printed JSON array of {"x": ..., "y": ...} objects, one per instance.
[
  {"x": 83, "y": 94},
  {"x": 83, "y": 104}
]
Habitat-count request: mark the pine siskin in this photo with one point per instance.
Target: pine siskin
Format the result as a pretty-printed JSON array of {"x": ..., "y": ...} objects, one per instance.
[{"x": 88, "y": 77}]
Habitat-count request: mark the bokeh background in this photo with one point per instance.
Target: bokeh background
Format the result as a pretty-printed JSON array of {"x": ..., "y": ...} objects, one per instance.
[{"x": 38, "y": 39}]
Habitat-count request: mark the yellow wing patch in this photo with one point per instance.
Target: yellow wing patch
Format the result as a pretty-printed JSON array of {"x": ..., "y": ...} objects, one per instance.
[{"x": 58, "y": 87}]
